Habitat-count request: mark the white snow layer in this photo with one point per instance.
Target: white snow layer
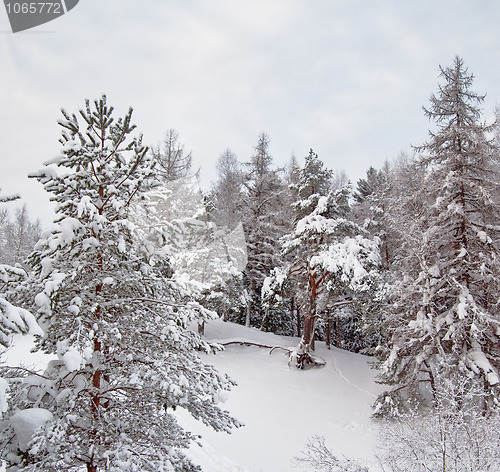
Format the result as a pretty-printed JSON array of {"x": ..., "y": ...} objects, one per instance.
[
  {"x": 72, "y": 359},
  {"x": 8, "y": 273},
  {"x": 479, "y": 360},
  {"x": 26, "y": 422},
  {"x": 280, "y": 406},
  {"x": 4, "y": 387},
  {"x": 18, "y": 319}
]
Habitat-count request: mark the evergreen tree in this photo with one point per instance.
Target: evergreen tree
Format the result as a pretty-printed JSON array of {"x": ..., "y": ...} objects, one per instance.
[
  {"x": 374, "y": 209},
  {"x": 117, "y": 321},
  {"x": 328, "y": 257},
  {"x": 314, "y": 182},
  {"x": 448, "y": 319},
  {"x": 281, "y": 312},
  {"x": 370, "y": 209},
  {"x": 13, "y": 319},
  {"x": 263, "y": 224}
]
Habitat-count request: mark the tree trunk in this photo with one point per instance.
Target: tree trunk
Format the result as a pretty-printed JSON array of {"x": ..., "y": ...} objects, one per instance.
[
  {"x": 201, "y": 328},
  {"x": 296, "y": 310},
  {"x": 309, "y": 328},
  {"x": 314, "y": 284},
  {"x": 329, "y": 323},
  {"x": 247, "y": 313},
  {"x": 98, "y": 348},
  {"x": 339, "y": 333},
  {"x": 265, "y": 320},
  {"x": 386, "y": 245}
]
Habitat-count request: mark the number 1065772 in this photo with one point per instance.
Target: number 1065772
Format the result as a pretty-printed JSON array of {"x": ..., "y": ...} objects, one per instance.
[{"x": 34, "y": 7}]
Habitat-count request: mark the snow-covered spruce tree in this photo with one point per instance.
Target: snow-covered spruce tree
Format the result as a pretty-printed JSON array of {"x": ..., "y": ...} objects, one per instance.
[
  {"x": 448, "y": 309},
  {"x": 372, "y": 209},
  {"x": 329, "y": 256},
  {"x": 115, "y": 319}
]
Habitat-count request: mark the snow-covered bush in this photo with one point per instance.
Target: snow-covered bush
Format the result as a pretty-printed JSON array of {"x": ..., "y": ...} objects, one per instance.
[
  {"x": 456, "y": 435},
  {"x": 318, "y": 457}
]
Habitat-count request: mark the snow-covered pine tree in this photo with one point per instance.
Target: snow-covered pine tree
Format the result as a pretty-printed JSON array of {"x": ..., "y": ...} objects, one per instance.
[
  {"x": 306, "y": 185},
  {"x": 329, "y": 256},
  {"x": 117, "y": 322},
  {"x": 8, "y": 198},
  {"x": 448, "y": 320},
  {"x": 13, "y": 319}
]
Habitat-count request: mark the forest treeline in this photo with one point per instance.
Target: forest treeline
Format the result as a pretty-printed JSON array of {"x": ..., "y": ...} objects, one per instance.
[{"x": 403, "y": 265}]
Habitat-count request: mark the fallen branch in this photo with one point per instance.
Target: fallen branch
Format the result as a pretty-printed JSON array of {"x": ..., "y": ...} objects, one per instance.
[
  {"x": 265, "y": 346},
  {"x": 303, "y": 360}
]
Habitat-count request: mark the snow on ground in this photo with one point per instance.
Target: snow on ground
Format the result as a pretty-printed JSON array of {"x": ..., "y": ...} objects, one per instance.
[
  {"x": 282, "y": 407},
  {"x": 19, "y": 354}
]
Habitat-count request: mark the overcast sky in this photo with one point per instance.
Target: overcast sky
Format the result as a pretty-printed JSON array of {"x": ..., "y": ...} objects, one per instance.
[{"x": 345, "y": 77}]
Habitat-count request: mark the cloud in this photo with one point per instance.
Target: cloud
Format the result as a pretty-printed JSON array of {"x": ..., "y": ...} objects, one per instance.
[{"x": 347, "y": 78}]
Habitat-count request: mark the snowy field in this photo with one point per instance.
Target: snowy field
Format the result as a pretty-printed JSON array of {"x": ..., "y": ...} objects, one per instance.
[
  {"x": 283, "y": 407},
  {"x": 280, "y": 406}
]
